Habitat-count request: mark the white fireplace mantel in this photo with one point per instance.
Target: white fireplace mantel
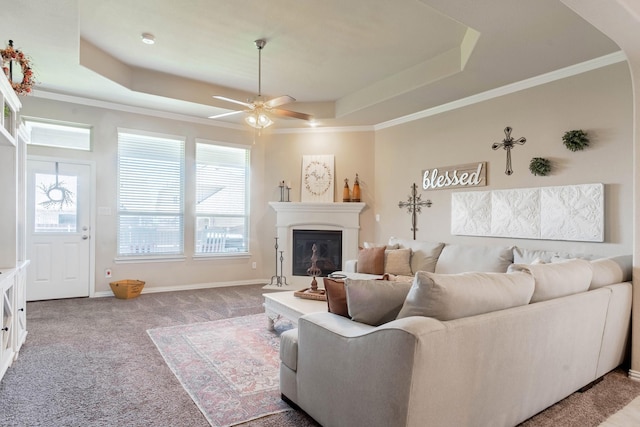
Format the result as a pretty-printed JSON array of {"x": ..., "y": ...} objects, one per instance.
[{"x": 315, "y": 216}]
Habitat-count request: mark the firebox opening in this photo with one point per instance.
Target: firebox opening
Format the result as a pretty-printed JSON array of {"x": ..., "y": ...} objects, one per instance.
[{"x": 328, "y": 251}]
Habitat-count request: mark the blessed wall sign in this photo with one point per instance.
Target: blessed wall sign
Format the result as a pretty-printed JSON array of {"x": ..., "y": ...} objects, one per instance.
[{"x": 468, "y": 175}]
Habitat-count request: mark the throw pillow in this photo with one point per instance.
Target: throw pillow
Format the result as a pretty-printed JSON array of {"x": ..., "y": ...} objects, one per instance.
[
  {"x": 607, "y": 271},
  {"x": 456, "y": 258},
  {"x": 336, "y": 296},
  {"x": 371, "y": 260},
  {"x": 397, "y": 262},
  {"x": 452, "y": 296},
  {"x": 375, "y": 302},
  {"x": 557, "y": 279}
]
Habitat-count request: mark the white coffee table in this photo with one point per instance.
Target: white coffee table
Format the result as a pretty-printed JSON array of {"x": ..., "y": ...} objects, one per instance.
[{"x": 285, "y": 304}]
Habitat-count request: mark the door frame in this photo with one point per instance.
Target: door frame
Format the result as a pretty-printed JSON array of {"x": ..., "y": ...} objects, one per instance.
[{"x": 92, "y": 204}]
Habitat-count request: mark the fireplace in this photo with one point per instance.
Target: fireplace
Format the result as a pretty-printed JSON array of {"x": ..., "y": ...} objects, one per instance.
[
  {"x": 328, "y": 249},
  {"x": 343, "y": 218}
]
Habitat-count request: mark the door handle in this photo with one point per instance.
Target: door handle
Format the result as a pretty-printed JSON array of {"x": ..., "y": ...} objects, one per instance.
[{"x": 85, "y": 237}]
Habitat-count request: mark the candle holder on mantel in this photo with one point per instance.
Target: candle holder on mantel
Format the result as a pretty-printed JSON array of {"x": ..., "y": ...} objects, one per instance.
[
  {"x": 285, "y": 191},
  {"x": 313, "y": 292}
]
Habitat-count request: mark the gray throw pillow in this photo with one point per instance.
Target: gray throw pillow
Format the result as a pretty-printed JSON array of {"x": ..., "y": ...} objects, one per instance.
[{"x": 375, "y": 302}]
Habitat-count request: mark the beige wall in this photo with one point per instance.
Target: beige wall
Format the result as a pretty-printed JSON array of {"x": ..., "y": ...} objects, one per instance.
[
  {"x": 353, "y": 153},
  {"x": 388, "y": 161},
  {"x": 599, "y": 102}
]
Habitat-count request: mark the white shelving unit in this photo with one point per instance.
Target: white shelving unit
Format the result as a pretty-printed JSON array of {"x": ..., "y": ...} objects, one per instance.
[{"x": 13, "y": 263}]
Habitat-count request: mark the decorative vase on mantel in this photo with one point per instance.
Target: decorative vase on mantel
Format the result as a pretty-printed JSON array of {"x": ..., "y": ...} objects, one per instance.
[
  {"x": 346, "y": 196},
  {"x": 356, "y": 190}
]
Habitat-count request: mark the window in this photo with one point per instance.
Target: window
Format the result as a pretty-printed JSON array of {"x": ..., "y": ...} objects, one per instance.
[
  {"x": 222, "y": 211},
  {"x": 150, "y": 194},
  {"x": 74, "y": 136}
]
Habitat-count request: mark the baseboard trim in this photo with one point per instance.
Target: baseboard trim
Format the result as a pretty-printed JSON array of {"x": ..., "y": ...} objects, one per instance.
[
  {"x": 189, "y": 287},
  {"x": 634, "y": 375}
]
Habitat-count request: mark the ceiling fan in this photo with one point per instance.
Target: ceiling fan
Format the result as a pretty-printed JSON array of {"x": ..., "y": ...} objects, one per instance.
[{"x": 258, "y": 108}]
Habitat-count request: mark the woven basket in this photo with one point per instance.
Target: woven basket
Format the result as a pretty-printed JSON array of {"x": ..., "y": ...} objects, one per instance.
[{"x": 126, "y": 289}]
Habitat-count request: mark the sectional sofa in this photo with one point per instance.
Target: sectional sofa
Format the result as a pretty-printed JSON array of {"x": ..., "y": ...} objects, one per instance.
[{"x": 480, "y": 336}]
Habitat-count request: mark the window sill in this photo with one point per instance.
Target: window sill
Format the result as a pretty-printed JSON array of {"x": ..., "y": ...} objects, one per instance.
[
  {"x": 149, "y": 258},
  {"x": 221, "y": 255}
]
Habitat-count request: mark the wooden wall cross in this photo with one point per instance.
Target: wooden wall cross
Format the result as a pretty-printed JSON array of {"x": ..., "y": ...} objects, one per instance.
[{"x": 414, "y": 206}]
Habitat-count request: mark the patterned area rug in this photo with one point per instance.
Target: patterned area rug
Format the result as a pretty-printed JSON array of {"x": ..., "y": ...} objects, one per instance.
[{"x": 229, "y": 367}]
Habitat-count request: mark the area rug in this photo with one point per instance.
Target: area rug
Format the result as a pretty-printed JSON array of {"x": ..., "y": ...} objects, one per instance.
[{"x": 229, "y": 367}]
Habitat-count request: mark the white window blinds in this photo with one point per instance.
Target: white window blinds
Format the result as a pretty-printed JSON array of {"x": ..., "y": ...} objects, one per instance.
[
  {"x": 222, "y": 212},
  {"x": 150, "y": 195}
]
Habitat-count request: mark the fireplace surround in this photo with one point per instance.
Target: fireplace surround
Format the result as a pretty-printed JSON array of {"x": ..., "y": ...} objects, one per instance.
[{"x": 290, "y": 216}]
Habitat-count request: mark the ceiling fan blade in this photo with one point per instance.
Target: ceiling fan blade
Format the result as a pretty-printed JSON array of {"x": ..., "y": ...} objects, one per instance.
[
  {"x": 234, "y": 101},
  {"x": 217, "y": 116},
  {"x": 289, "y": 113},
  {"x": 281, "y": 100}
]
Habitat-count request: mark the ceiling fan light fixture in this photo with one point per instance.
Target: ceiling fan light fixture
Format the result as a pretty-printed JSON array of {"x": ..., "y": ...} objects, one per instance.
[{"x": 258, "y": 120}]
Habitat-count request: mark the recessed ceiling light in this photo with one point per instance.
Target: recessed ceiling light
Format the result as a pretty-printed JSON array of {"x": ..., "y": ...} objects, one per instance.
[{"x": 148, "y": 38}]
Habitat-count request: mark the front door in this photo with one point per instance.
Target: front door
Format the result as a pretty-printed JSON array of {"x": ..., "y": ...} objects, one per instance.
[{"x": 58, "y": 229}]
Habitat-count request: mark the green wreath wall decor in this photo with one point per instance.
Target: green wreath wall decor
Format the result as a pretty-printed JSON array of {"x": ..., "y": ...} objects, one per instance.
[
  {"x": 575, "y": 140},
  {"x": 540, "y": 166}
]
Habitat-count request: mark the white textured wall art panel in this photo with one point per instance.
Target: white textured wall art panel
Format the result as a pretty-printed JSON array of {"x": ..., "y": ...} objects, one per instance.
[
  {"x": 515, "y": 213},
  {"x": 571, "y": 212},
  {"x": 471, "y": 213},
  {"x": 574, "y": 212}
]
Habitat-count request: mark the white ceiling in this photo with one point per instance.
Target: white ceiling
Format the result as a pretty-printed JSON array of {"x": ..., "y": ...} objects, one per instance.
[{"x": 355, "y": 62}]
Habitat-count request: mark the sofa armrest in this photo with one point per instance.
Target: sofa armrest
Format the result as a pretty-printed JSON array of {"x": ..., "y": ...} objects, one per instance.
[
  {"x": 344, "y": 364},
  {"x": 351, "y": 266}
]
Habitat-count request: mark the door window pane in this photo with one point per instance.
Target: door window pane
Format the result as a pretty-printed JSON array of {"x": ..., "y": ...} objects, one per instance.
[{"x": 55, "y": 204}]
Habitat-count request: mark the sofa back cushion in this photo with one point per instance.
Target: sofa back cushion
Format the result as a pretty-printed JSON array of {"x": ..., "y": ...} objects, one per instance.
[
  {"x": 557, "y": 279},
  {"x": 424, "y": 255},
  {"x": 375, "y": 302},
  {"x": 607, "y": 271},
  {"x": 456, "y": 258},
  {"x": 452, "y": 296}
]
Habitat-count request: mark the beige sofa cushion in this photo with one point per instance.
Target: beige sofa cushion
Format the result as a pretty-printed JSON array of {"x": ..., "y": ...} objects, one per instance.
[
  {"x": 375, "y": 302},
  {"x": 397, "y": 261},
  {"x": 607, "y": 271},
  {"x": 424, "y": 255},
  {"x": 452, "y": 296},
  {"x": 557, "y": 279},
  {"x": 456, "y": 258}
]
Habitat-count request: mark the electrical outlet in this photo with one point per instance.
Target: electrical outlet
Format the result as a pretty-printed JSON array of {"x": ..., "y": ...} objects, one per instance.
[
  {"x": 107, "y": 273},
  {"x": 254, "y": 265}
]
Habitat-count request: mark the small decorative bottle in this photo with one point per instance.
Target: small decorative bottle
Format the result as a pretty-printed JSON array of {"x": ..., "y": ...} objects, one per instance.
[
  {"x": 346, "y": 197},
  {"x": 356, "y": 190}
]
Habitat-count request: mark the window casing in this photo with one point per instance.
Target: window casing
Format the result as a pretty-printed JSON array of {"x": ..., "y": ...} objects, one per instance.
[
  {"x": 150, "y": 194},
  {"x": 222, "y": 199}
]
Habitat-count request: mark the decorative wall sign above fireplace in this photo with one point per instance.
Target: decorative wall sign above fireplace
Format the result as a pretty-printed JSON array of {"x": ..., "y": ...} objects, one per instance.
[{"x": 468, "y": 175}]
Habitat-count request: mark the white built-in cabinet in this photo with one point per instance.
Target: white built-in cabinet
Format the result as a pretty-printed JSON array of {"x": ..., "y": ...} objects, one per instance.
[{"x": 13, "y": 263}]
